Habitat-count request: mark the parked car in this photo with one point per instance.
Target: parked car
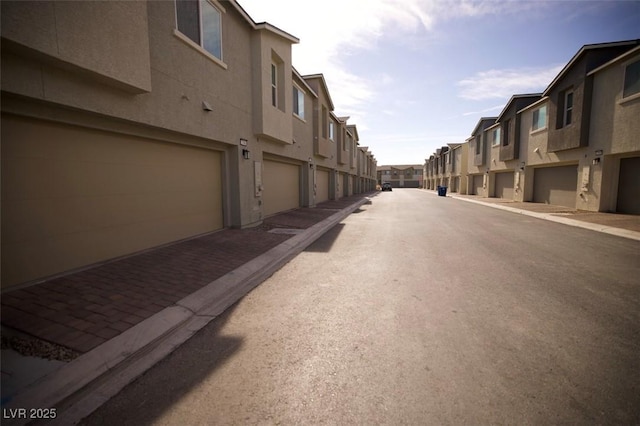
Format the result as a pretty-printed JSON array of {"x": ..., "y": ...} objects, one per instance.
[{"x": 386, "y": 187}]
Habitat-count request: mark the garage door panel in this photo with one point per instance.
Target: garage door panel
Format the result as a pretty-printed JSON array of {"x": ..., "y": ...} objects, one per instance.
[
  {"x": 504, "y": 185},
  {"x": 281, "y": 187},
  {"x": 556, "y": 185},
  {"x": 628, "y": 200},
  {"x": 72, "y": 196},
  {"x": 322, "y": 186},
  {"x": 477, "y": 184}
]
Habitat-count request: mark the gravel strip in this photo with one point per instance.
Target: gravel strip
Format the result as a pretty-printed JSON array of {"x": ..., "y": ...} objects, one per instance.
[{"x": 38, "y": 348}]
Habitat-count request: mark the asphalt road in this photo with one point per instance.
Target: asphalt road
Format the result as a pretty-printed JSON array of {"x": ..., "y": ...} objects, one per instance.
[{"x": 417, "y": 309}]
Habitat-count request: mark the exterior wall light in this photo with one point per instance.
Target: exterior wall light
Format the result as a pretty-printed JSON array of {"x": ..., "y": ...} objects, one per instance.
[
  {"x": 245, "y": 154},
  {"x": 206, "y": 106}
]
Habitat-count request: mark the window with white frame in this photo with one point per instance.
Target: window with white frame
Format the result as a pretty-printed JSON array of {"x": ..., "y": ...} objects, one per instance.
[
  {"x": 332, "y": 130},
  {"x": 200, "y": 21},
  {"x": 631, "y": 79},
  {"x": 298, "y": 102},
  {"x": 495, "y": 137},
  {"x": 539, "y": 118}
]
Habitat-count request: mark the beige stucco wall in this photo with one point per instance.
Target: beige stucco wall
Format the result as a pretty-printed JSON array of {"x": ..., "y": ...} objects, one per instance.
[
  {"x": 324, "y": 149},
  {"x": 60, "y": 32},
  {"x": 181, "y": 79},
  {"x": 272, "y": 122}
]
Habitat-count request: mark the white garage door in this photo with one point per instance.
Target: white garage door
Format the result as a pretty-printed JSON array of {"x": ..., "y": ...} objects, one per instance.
[
  {"x": 556, "y": 185},
  {"x": 73, "y": 196},
  {"x": 322, "y": 185},
  {"x": 281, "y": 187}
]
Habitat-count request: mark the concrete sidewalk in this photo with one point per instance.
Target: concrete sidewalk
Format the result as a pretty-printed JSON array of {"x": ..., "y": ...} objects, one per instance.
[
  {"x": 113, "y": 321},
  {"x": 621, "y": 225}
]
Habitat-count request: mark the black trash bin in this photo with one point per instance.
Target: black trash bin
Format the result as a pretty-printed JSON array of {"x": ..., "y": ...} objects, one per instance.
[{"x": 442, "y": 191}]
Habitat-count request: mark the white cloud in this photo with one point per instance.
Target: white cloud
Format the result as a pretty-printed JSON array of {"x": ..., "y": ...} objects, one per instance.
[
  {"x": 482, "y": 111},
  {"x": 333, "y": 29},
  {"x": 502, "y": 84}
]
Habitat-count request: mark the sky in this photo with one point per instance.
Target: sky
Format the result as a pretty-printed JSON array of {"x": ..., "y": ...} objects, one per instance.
[{"x": 415, "y": 75}]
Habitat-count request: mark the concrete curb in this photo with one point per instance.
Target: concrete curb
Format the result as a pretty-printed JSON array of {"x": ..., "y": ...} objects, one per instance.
[
  {"x": 624, "y": 233},
  {"x": 80, "y": 387}
]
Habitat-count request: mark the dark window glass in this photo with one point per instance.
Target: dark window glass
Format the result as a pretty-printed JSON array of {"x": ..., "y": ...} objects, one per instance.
[
  {"x": 631, "y": 79},
  {"x": 189, "y": 19}
]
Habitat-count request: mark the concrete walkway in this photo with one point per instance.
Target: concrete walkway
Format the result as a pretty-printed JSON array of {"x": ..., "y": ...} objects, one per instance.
[
  {"x": 118, "y": 319},
  {"x": 121, "y": 317},
  {"x": 622, "y": 225}
]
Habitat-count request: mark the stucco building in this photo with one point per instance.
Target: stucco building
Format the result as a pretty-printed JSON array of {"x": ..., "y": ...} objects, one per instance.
[
  {"x": 128, "y": 125},
  {"x": 574, "y": 145},
  {"x": 401, "y": 176}
]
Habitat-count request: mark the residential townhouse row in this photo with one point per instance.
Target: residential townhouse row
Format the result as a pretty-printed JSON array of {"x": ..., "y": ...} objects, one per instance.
[
  {"x": 401, "y": 176},
  {"x": 129, "y": 125},
  {"x": 577, "y": 144}
]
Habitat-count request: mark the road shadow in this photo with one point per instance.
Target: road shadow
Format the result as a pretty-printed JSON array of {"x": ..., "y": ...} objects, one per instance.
[
  {"x": 324, "y": 243},
  {"x": 149, "y": 396}
]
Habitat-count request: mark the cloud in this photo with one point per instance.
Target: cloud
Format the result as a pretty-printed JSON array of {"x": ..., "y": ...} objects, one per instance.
[
  {"x": 482, "y": 111},
  {"x": 502, "y": 84},
  {"x": 336, "y": 29}
]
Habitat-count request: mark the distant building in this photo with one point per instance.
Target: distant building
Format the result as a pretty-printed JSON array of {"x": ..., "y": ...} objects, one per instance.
[{"x": 407, "y": 176}]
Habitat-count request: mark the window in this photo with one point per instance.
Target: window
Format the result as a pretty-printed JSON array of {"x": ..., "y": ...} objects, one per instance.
[
  {"x": 568, "y": 108},
  {"x": 495, "y": 137},
  {"x": 478, "y": 145},
  {"x": 325, "y": 125},
  {"x": 505, "y": 139},
  {"x": 331, "y": 130},
  {"x": 274, "y": 85},
  {"x": 539, "y": 119},
  {"x": 200, "y": 21},
  {"x": 631, "y": 79},
  {"x": 298, "y": 102}
]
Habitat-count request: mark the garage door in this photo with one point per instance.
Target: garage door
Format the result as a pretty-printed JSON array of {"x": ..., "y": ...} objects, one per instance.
[
  {"x": 504, "y": 185},
  {"x": 281, "y": 187},
  {"x": 340, "y": 186},
  {"x": 73, "y": 196},
  {"x": 322, "y": 185},
  {"x": 556, "y": 185},
  {"x": 629, "y": 186},
  {"x": 477, "y": 184}
]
